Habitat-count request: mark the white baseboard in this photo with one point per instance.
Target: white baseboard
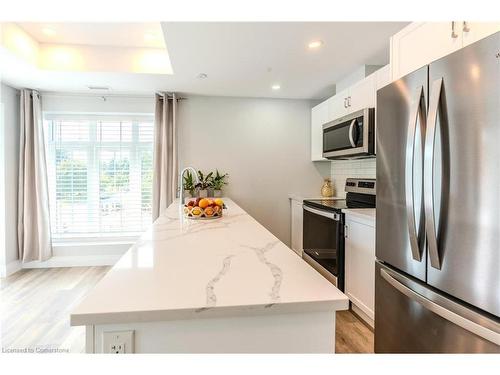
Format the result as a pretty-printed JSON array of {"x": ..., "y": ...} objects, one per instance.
[
  {"x": 363, "y": 315},
  {"x": 10, "y": 268},
  {"x": 75, "y": 261}
]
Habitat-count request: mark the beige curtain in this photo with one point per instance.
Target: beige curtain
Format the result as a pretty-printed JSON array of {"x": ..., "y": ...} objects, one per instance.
[
  {"x": 33, "y": 224},
  {"x": 165, "y": 153}
]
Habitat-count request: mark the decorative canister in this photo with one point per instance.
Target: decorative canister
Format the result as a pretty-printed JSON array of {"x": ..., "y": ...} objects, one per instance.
[{"x": 327, "y": 188}]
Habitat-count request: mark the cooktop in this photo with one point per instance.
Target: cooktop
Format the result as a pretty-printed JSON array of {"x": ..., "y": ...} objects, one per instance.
[{"x": 360, "y": 194}]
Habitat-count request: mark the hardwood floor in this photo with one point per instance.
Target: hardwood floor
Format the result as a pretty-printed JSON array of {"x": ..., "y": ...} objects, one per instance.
[
  {"x": 35, "y": 306},
  {"x": 351, "y": 335}
]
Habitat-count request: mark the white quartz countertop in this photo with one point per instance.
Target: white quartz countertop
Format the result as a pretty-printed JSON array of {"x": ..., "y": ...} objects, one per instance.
[
  {"x": 188, "y": 269},
  {"x": 364, "y": 213}
]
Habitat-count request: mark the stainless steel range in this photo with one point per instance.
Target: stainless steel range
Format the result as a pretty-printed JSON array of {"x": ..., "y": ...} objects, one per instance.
[{"x": 323, "y": 228}]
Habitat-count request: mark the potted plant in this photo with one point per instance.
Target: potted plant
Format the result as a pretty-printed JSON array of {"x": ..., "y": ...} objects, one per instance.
[
  {"x": 188, "y": 185},
  {"x": 218, "y": 181},
  {"x": 204, "y": 183}
]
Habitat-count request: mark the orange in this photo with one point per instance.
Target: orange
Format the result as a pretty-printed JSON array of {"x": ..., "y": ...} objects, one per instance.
[{"x": 203, "y": 203}]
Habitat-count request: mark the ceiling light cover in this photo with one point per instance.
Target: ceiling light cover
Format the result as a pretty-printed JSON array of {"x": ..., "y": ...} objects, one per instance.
[
  {"x": 276, "y": 87},
  {"x": 315, "y": 44}
]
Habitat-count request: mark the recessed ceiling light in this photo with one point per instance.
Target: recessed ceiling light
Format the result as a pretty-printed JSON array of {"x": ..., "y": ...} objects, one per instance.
[
  {"x": 48, "y": 31},
  {"x": 202, "y": 76},
  {"x": 276, "y": 87},
  {"x": 315, "y": 44},
  {"x": 98, "y": 87}
]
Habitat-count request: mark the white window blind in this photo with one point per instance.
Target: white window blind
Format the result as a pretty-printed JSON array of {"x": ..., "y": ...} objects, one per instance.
[{"x": 100, "y": 175}]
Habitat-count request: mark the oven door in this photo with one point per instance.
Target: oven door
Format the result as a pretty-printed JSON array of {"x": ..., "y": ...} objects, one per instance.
[
  {"x": 323, "y": 243},
  {"x": 349, "y": 136}
]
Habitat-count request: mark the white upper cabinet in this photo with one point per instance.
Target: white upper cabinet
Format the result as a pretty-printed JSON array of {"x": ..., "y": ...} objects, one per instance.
[
  {"x": 337, "y": 105},
  {"x": 420, "y": 43},
  {"x": 319, "y": 116},
  {"x": 474, "y": 31},
  {"x": 358, "y": 96},
  {"x": 383, "y": 77},
  {"x": 362, "y": 94}
]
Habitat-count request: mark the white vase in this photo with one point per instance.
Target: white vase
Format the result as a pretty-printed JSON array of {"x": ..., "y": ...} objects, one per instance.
[
  {"x": 217, "y": 193},
  {"x": 202, "y": 193}
]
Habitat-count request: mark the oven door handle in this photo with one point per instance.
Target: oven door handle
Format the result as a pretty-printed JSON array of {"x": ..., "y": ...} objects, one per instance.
[{"x": 329, "y": 215}]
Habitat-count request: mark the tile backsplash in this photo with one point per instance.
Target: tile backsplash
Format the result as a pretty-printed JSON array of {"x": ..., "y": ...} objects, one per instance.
[{"x": 343, "y": 169}]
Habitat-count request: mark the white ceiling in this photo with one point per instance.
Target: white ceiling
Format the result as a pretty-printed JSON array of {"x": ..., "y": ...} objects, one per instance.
[
  {"x": 240, "y": 59},
  {"x": 118, "y": 34},
  {"x": 246, "y": 59}
]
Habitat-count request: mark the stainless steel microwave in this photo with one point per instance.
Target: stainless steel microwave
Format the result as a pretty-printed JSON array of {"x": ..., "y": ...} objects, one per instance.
[{"x": 351, "y": 136}]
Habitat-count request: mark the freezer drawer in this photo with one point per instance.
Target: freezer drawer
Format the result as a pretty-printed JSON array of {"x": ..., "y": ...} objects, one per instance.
[{"x": 411, "y": 318}]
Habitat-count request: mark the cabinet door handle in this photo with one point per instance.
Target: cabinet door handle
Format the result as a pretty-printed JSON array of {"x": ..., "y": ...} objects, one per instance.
[
  {"x": 349, "y": 101},
  {"x": 465, "y": 27},
  {"x": 345, "y": 102},
  {"x": 454, "y": 35},
  {"x": 346, "y": 231}
]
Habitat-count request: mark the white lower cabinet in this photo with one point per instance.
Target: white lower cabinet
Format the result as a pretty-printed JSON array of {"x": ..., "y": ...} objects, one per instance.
[
  {"x": 296, "y": 225},
  {"x": 360, "y": 266}
]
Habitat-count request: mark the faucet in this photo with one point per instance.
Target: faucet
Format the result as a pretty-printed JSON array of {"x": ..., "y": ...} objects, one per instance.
[{"x": 181, "y": 179}]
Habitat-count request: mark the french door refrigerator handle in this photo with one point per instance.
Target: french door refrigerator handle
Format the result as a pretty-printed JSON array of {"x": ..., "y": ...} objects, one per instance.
[
  {"x": 446, "y": 312},
  {"x": 418, "y": 110},
  {"x": 430, "y": 136}
]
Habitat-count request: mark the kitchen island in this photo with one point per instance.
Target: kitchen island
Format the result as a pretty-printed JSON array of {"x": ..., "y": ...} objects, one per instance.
[{"x": 211, "y": 286}]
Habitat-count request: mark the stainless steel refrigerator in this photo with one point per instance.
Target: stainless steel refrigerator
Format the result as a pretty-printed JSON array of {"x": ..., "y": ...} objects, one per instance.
[{"x": 437, "y": 286}]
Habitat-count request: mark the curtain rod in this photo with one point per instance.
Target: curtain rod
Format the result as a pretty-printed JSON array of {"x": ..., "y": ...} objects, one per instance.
[
  {"x": 171, "y": 97},
  {"x": 96, "y": 95}
]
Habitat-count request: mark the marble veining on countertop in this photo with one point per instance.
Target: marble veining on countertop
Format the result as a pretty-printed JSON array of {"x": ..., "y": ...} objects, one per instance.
[{"x": 184, "y": 268}]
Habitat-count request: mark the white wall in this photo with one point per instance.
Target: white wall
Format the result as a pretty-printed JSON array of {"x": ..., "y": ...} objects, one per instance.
[
  {"x": 264, "y": 145},
  {"x": 9, "y": 166}
]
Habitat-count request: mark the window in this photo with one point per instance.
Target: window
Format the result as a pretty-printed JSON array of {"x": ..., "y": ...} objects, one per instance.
[{"x": 100, "y": 175}]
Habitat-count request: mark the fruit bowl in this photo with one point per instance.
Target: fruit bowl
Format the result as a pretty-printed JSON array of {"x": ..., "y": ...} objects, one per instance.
[{"x": 204, "y": 209}]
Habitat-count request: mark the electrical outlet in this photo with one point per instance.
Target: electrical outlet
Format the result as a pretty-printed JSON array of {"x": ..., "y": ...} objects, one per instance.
[{"x": 118, "y": 342}]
